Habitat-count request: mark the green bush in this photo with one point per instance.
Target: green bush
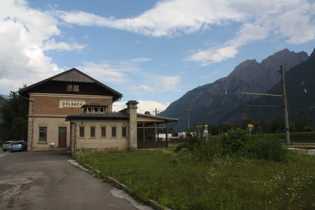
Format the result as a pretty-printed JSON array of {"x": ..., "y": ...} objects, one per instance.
[
  {"x": 237, "y": 142},
  {"x": 266, "y": 147},
  {"x": 234, "y": 141},
  {"x": 200, "y": 148}
]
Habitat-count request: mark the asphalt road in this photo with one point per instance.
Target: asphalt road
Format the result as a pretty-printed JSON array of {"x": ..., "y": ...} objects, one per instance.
[{"x": 45, "y": 180}]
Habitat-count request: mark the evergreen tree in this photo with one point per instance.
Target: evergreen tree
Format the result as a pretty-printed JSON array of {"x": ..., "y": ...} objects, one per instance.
[
  {"x": 14, "y": 114},
  {"x": 277, "y": 125},
  {"x": 303, "y": 122}
]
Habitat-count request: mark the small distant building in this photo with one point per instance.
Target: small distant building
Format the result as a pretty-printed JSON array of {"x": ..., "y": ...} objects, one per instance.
[
  {"x": 163, "y": 135},
  {"x": 182, "y": 134},
  {"x": 72, "y": 111},
  {"x": 201, "y": 131}
]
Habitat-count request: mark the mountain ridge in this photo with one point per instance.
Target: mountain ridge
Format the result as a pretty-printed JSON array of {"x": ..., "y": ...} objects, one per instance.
[
  {"x": 209, "y": 102},
  {"x": 300, "y": 88}
]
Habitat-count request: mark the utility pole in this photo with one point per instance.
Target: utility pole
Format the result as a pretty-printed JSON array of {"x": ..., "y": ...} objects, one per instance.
[
  {"x": 285, "y": 103},
  {"x": 188, "y": 111}
]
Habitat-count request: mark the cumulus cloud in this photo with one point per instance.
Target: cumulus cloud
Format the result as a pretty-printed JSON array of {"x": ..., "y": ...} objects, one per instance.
[
  {"x": 156, "y": 83},
  {"x": 26, "y": 34},
  {"x": 143, "y": 106},
  {"x": 293, "y": 20},
  {"x": 213, "y": 55},
  {"x": 167, "y": 83},
  {"x": 61, "y": 46},
  {"x": 167, "y": 18},
  {"x": 109, "y": 71},
  {"x": 140, "y": 60},
  {"x": 22, "y": 32}
]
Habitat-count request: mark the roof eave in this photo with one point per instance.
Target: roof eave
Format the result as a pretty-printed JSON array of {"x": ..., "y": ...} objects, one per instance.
[{"x": 24, "y": 91}]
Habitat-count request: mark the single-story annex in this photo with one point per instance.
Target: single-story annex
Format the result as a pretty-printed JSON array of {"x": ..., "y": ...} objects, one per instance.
[{"x": 73, "y": 111}]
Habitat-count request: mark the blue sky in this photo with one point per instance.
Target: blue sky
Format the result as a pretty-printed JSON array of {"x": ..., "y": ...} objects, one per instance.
[{"x": 148, "y": 50}]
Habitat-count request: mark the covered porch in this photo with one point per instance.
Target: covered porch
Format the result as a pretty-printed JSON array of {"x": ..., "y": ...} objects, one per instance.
[{"x": 148, "y": 129}]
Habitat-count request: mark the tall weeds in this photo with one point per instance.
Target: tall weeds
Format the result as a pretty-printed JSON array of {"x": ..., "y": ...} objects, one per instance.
[{"x": 236, "y": 142}]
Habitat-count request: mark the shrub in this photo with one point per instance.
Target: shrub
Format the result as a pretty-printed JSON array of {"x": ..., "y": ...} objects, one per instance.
[
  {"x": 234, "y": 141},
  {"x": 201, "y": 148},
  {"x": 237, "y": 142},
  {"x": 266, "y": 147}
]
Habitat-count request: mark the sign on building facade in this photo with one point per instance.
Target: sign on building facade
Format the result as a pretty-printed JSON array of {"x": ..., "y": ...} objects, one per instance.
[{"x": 71, "y": 103}]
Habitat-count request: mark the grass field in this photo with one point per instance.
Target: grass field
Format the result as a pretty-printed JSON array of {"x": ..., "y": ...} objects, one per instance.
[{"x": 223, "y": 183}]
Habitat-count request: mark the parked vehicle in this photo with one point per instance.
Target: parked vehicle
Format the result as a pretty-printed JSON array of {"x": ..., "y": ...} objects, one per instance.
[
  {"x": 20, "y": 145},
  {"x": 7, "y": 145}
]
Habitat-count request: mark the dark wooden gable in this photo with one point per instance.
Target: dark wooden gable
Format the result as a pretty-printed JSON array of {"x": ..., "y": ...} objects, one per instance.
[
  {"x": 58, "y": 84},
  {"x": 73, "y": 76}
]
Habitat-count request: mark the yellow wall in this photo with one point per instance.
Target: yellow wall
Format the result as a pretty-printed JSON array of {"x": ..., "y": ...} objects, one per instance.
[{"x": 46, "y": 112}]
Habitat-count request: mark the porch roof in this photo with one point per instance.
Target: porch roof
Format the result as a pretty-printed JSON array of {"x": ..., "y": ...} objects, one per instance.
[
  {"x": 121, "y": 115},
  {"x": 156, "y": 119},
  {"x": 99, "y": 116}
]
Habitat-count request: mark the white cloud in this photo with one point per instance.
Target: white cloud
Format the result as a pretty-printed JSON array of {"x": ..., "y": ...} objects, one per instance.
[
  {"x": 61, "y": 46},
  {"x": 156, "y": 83},
  {"x": 167, "y": 18},
  {"x": 143, "y": 106},
  {"x": 110, "y": 72},
  {"x": 298, "y": 24},
  {"x": 147, "y": 88},
  {"x": 23, "y": 31},
  {"x": 167, "y": 83},
  {"x": 247, "y": 33},
  {"x": 26, "y": 34},
  {"x": 128, "y": 73},
  {"x": 213, "y": 55},
  {"x": 140, "y": 60},
  {"x": 292, "y": 19}
]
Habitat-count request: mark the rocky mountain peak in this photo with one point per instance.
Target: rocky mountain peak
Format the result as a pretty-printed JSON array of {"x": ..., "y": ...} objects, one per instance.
[{"x": 209, "y": 102}]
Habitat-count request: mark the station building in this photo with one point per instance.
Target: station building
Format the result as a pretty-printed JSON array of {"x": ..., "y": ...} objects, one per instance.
[{"x": 72, "y": 110}]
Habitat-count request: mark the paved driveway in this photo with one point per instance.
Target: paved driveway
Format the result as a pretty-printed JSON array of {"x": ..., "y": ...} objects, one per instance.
[{"x": 45, "y": 180}]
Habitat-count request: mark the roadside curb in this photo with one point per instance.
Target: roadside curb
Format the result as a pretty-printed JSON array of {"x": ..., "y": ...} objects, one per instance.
[{"x": 87, "y": 168}]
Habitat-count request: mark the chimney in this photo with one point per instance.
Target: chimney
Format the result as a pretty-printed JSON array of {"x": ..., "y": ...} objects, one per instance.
[{"x": 132, "y": 110}]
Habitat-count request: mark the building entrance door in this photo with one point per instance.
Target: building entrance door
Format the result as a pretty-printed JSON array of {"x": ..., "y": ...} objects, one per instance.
[{"x": 62, "y": 142}]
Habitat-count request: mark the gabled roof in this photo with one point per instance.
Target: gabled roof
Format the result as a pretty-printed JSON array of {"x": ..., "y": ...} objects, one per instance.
[{"x": 71, "y": 75}]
